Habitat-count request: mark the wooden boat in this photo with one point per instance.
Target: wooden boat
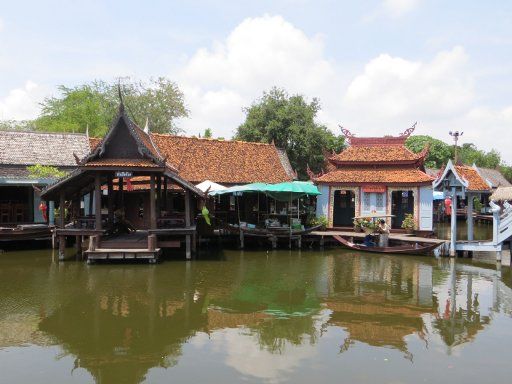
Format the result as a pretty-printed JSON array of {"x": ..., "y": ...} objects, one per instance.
[
  {"x": 26, "y": 232},
  {"x": 397, "y": 247},
  {"x": 279, "y": 232}
]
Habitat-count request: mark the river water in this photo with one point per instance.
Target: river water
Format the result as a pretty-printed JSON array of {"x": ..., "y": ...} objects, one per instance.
[{"x": 330, "y": 316}]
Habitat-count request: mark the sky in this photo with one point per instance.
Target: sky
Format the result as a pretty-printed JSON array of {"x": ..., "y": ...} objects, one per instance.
[{"x": 377, "y": 66}]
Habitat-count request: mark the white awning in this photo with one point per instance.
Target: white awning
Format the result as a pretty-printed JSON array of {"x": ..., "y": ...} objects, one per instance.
[{"x": 211, "y": 185}]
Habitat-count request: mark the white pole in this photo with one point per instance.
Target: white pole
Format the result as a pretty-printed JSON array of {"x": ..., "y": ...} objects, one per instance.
[{"x": 453, "y": 238}]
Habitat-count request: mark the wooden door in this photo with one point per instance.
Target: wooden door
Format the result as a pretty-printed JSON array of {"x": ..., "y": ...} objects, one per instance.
[{"x": 344, "y": 208}]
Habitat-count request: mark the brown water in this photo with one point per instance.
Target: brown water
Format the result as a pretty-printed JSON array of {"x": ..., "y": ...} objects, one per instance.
[{"x": 256, "y": 317}]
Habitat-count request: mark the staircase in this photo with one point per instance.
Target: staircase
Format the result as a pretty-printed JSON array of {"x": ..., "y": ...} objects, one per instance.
[{"x": 502, "y": 231}]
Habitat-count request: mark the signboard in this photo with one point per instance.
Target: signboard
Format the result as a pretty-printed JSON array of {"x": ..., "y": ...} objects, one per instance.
[
  {"x": 124, "y": 174},
  {"x": 374, "y": 188}
]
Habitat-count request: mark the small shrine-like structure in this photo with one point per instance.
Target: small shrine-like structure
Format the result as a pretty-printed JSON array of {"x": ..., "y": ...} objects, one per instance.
[
  {"x": 462, "y": 182},
  {"x": 379, "y": 176},
  {"x": 93, "y": 203}
]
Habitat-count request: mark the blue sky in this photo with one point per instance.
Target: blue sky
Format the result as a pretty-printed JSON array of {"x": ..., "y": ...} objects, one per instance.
[{"x": 377, "y": 66}]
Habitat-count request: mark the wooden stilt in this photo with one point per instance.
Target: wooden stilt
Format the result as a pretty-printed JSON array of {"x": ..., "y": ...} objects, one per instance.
[
  {"x": 62, "y": 247},
  {"x": 110, "y": 202},
  {"x": 188, "y": 253},
  {"x": 78, "y": 245}
]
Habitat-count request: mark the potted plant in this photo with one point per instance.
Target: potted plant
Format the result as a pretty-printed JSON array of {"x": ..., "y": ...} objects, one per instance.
[
  {"x": 409, "y": 223},
  {"x": 357, "y": 225},
  {"x": 368, "y": 225},
  {"x": 320, "y": 220}
]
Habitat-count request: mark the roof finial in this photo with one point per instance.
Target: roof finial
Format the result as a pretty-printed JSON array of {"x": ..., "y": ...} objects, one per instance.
[
  {"x": 408, "y": 132},
  {"x": 121, "y": 101},
  {"x": 146, "y": 126},
  {"x": 348, "y": 135}
]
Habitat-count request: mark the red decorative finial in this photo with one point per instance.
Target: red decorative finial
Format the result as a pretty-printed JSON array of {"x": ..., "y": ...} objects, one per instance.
[{"x": 408, "y": 132}]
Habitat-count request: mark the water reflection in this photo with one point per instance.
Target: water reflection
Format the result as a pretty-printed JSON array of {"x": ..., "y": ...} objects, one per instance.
[{"x": 264, "y": 315}]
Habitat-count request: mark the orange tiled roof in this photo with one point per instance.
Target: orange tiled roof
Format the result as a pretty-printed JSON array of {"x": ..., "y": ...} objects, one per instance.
[
  {"x": 94, "y": 142},
  {"x": 146, "y": 163},
  {"x": 384, "y": 175},
  {"x": 222, "y": 161},
  {"x": 376, "y": 153},
  {"x": 471, "y": 175}
]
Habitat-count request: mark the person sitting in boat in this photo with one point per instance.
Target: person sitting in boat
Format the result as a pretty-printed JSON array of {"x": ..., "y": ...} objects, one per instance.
[
  {"x": 368, "y": 241},
  {"x": 384, "y": 230},
  {"x": 121, "y": 224}
]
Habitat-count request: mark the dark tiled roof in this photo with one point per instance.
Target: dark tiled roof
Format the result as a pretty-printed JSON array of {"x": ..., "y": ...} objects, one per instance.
[
  {"x": 28, "y": 148},
  {"x": 222, "y": 161},
  {"x": 495, "y": 177},
  {"x": 384, "y": 175}
]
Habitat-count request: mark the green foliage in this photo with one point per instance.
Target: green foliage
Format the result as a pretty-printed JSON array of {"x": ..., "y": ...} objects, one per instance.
[
  {"x": 16, "y": 125},
  {"x": 409, "y": 223},
  {"x": 94, "y": 105},
  {"x": 439, "y": 152},
  {"x": 208, "y": 134},
  {"x": 477, "y": 205},
  {"x": 39, "y": 171},
  {"x": 469, "y": 154},
  {"x": 320, "y": 220},
  {"x": 289, "y": 121}
]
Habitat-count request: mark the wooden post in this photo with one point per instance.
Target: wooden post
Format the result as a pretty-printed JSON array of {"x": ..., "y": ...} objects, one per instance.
[
  {"x": 151, "y": 243},
  {"x": 165, "y": 193},
  {"x": 62, "y": 210},
  {"x": 187, "y": 224},
  {"x": 453, "y": 237},
  {"x": 62, "y": 247},
  {"x": 110, "y": 201},
  {"x": 62, "y": 221},
  {"x": 470, "y": 217},
  {"x": 97, "y": 201},
  {"x": 158, "y": 195},
  {"x": 90, "y": 203},
  {"x": 152, "y": 207},
  {"x": 120, "y": 199}
]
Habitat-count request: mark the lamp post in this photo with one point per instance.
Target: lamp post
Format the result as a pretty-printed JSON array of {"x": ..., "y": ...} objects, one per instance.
[{"x": 456, "y": 136}]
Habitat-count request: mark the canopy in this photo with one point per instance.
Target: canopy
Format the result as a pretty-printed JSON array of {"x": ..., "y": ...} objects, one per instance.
[
  {"x": 211, "y": 185},
  {"x": 282, "y": 191},
  {"x": 438, "y": 195}
]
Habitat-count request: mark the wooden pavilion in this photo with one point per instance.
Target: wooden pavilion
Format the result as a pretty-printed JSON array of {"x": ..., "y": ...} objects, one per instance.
[
  {"x": 119, "y": 227},
  {"x": 375, "y": 175}
]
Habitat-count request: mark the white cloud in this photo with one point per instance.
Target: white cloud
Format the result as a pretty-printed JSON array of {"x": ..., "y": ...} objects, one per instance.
[
  {"x": 397, "y": 8},
  {"x": 396, "y": 88},
  {"x": 258, "y": 54},
  {"x": 392, "y": 9},
  {"x": 22, "y": 103}
]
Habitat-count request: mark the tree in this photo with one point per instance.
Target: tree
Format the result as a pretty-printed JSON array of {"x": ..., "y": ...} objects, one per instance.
[
  {"x": 39, "y": 171},
  {"x": 208, "y": 134},
  {"x": 439, "y": 152},
  {"x": 289, "y": 122},
  {"x": 94, "y": 105}
]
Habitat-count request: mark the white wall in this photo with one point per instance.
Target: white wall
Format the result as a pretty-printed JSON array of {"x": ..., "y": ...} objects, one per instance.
[
  {"x": 322, "y": 201},
  {"x": 426, "y": 208}
]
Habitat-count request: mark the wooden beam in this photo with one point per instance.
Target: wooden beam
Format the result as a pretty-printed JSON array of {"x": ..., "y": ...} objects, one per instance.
[
  {"x": 158, "y": 195},
  {"x": 152, "y": 203},
  {"x": 97, "y": 201}
]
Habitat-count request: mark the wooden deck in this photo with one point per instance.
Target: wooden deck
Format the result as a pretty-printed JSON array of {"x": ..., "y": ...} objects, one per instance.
[
  {"x": 392, "y": 236},
  {"x": 116, "y": 254}
]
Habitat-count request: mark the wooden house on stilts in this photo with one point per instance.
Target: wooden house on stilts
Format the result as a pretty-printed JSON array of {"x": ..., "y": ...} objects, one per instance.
[{"x": 117, "y": 226}]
